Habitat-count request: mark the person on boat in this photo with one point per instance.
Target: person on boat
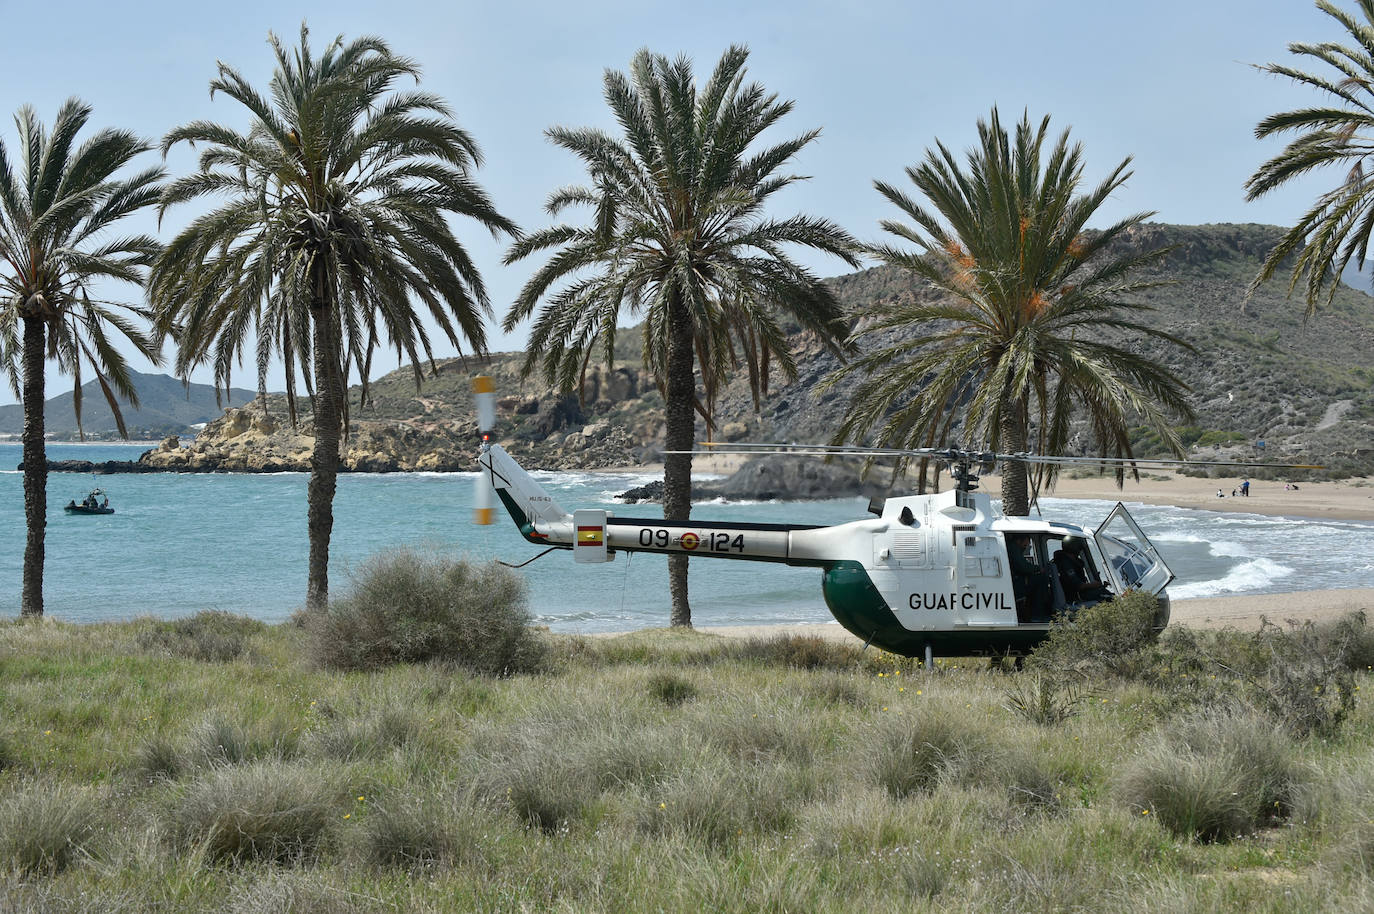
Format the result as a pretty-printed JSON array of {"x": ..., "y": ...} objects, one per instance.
[
  {"x": 106, "y": 502},
  {"x": 71, "y": 503}
]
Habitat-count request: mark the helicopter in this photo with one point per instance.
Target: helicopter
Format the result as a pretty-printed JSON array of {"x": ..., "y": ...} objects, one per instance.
[{"x": 939, "y": 573}]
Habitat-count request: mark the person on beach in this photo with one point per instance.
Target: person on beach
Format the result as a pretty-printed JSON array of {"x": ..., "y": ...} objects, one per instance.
[{"x": 1245, "y": 488}]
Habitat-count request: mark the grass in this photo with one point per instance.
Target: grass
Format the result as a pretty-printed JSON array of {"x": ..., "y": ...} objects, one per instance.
[{"x": 668, "y": 771}]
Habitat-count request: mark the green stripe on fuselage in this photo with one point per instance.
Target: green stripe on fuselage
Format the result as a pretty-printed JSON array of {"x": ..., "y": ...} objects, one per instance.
[{"x": 856, "y": 604}]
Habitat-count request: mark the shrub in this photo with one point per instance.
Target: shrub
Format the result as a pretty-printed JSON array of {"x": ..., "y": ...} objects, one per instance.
[
  {"x": 1299, "y": 676},
  {"x": 1214, "y": 777},
  {"x": 266, "y": 811},
  {"x": 45, "y": 827},
  {"x": 406, "y": 607},
  {"x": 210, "y": 636},
  {"x": 1104, "y": 638}
]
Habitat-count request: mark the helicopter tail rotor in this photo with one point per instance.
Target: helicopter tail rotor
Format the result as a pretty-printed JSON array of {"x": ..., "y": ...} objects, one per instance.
[{"x": 483, "y": 495}]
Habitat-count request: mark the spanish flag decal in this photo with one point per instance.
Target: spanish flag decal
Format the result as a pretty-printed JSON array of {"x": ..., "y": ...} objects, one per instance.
[{"x": 589, "y": 536}]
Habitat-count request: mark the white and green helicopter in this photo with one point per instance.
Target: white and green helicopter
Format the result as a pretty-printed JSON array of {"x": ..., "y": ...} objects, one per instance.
[{"x": 942, "y": 573}]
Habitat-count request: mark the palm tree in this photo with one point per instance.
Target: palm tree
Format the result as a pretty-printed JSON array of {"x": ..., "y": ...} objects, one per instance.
[
  {"x": 1011, "y": 346},
  {"x": 1339, "y": 133},
  {"x": 679, "y": 239},
  {"x": 332, "y": 234},
  {"x": 58, "y": 203}
]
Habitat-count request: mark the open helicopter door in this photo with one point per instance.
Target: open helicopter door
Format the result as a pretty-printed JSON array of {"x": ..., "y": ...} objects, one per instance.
[{"x": 1132, "y": 560}]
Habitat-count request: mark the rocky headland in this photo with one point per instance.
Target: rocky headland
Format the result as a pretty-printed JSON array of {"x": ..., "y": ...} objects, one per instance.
[{"x": 1266, "y": 384}]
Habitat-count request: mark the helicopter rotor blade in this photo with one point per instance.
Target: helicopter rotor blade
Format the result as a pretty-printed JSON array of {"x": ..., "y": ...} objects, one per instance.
[{"x": 957, "y": 454}]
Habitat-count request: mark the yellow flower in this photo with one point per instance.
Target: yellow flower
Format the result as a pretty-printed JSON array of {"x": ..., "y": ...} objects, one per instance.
[
  {"x": 662, "y": 805},
  {"x": 918, "y": 692},
  {"x": 903, "y": 689},
  {"x": 360, "y": 799},
  {"x": 348, "y": 815},
  {"x": 1144, "y": 812}
]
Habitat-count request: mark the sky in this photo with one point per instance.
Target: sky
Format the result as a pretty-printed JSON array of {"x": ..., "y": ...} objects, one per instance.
[{"x": 1171, "y": 84}]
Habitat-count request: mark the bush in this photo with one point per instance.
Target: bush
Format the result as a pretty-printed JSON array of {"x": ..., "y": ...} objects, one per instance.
[
  {"x": 45, "y": 827},
  {"x": 1301, "y": 676},
  {"x": 267, "y": 811},
  {"x": 210, "y": 636},
  {"x": 1214, "y": 777},
  {"x": 405, "y": 607},
  {"x": 1103, "y": 638}
]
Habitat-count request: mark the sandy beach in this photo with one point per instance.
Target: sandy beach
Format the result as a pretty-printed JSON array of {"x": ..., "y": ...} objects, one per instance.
[
  {"x": 1349, "y": 499},
  {"x": 1242, "y": 612}
]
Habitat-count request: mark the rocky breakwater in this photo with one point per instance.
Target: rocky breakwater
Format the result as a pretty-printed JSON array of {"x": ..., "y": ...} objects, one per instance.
[
  {"x": 776, "y": 478},
  {"x": 248, "y": 441}
]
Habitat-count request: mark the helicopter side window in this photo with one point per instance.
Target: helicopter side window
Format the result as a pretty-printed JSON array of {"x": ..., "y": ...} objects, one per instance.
[{"x": 980, "y": 557}]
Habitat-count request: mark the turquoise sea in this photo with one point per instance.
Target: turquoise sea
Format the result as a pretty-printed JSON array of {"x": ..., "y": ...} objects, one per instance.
[{"x": 181, "y": 543}]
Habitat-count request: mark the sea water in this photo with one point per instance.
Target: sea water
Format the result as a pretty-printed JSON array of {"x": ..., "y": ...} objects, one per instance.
[{"x": 181, "y": 543}]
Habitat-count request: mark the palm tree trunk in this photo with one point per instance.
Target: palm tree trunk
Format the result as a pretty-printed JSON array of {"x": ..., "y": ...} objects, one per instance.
[
  {"x": 324, "y": 459},
  {"x": 35, "y": 469},
  {"x": 1015, "y": 485},
  {"x": 262, "y": 393},
  {"x": 680, "y": 417}
]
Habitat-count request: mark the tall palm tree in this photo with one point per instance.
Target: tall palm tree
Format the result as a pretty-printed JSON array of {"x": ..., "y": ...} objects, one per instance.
[
  {"x": 58, "y": 204},
  {"x": 1340, "y": 134},
  {"x": 678, "y": 238},
  {"x": 1011, "y": 346},
  {"x": 331, "y": 236}
]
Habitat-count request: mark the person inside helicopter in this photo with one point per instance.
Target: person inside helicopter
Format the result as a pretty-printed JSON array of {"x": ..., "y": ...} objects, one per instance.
[
  {"x": 1076, "y": 575},
  {"x": 1029, "y": 582}
]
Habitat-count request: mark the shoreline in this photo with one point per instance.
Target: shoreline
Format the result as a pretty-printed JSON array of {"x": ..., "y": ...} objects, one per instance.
[{"x": 1347, "y": 499}]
